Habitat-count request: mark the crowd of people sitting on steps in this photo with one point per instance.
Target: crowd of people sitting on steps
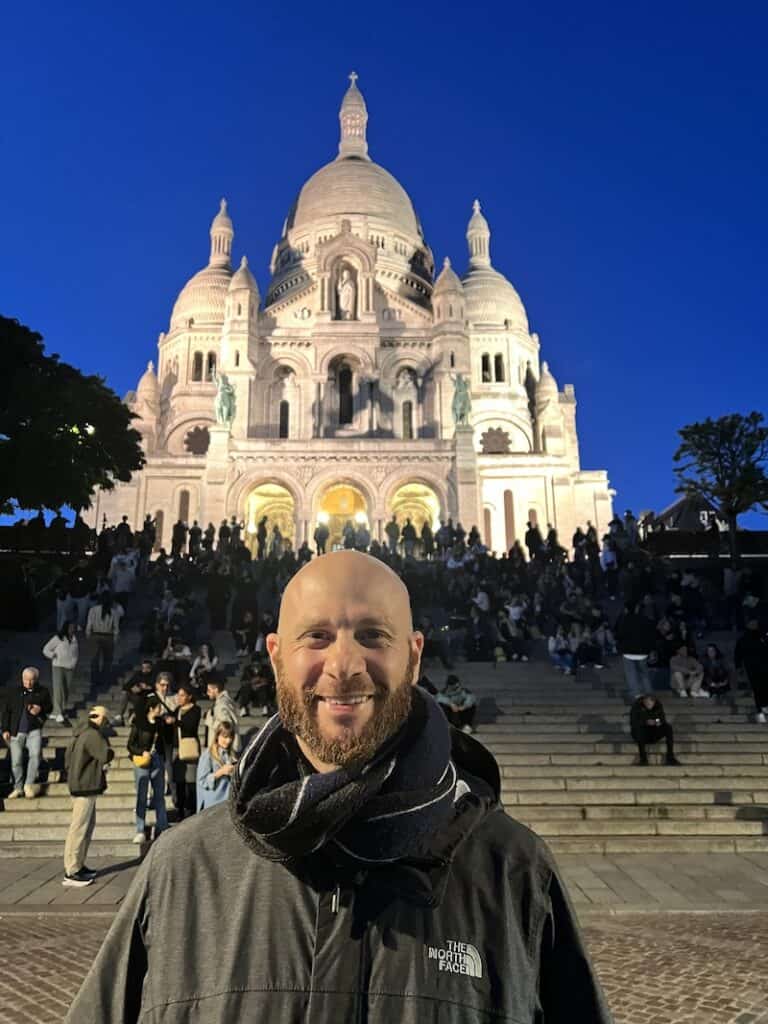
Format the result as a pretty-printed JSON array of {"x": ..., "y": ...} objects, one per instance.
[{"x": 608, "y": 599}]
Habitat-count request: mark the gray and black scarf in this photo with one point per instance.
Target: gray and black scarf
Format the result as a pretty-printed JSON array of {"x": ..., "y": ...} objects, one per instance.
[{"x": 375, "y": 813}]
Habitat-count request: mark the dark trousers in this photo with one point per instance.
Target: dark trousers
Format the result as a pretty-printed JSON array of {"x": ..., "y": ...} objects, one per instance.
[
  {"x": 459, "y": 719},
  {"x": 759, "y": 684},
  {"x": 652, "y": 734}
]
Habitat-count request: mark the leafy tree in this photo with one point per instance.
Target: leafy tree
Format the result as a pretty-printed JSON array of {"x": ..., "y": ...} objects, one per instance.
[
  {"x": 62, "y": 433},
  {"x": 724, "y": 461}
]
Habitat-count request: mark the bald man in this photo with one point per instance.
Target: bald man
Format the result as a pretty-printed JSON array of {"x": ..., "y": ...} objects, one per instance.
[{"x": 363, "y": 869}]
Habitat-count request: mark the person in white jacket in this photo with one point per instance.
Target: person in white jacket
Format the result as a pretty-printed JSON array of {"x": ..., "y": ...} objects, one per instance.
[{"x": 63, "y": 651}]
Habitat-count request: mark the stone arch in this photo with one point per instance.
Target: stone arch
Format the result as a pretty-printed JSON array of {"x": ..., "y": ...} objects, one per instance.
[
  {"x": 177, "y": 431},
  {"x": 364, "y": 360},
  {"x": 342, "y": 475},
  {"x": 177, "y": 500},
  {"x": 399, "y": 478},
  {"x": 251, "y": 479}
]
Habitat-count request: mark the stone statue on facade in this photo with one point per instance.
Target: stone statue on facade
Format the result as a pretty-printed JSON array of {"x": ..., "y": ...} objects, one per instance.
[
  {"x": 461, "y": 406},
  {"x": 346, "y": 296},
  {"x": 225, "y": 401}
]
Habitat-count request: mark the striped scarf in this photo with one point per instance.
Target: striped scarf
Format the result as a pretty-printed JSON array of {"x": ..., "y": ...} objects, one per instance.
[{"x": 375, "y": 813}]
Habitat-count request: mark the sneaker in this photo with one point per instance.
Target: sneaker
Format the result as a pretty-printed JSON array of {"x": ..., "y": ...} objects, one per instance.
[
  {"x": 700, "y": 693},
  {"x": 672, "y": 762},
  {"x": 523, "y": 657},
  {"x": 599, "y": 666},
  {"x": 467, "y": 728},
  {"x": 682, "y": 693},
  {"x": 264, "y": 711},
  {"x": 20, "y": 792},
  {"x": 117, "y": 720},
  {"x": 30, "y": 792},
  {"x": 243, "y": 712},
  {"x": 759, "y": 717},
  {"x": 139, "y": 838},
  {"x": 59, "y": 719},
  {"x": 85, "y": 870},
  {"x": 78, "y": 880}
]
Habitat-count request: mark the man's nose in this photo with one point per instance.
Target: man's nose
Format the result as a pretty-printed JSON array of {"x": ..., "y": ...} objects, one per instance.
[{"x": 345, "y": 658}]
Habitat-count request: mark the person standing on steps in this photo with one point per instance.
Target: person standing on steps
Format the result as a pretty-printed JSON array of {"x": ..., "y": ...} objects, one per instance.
[
  {"x": 649, "y": 724},
  {"x": 369, "y": 866},
  {"x": 751, "y": 655},
  {"x": 85, "y": 761},
  {"x": 23, "y": 711},
  {"x": 63, "y": 652}
]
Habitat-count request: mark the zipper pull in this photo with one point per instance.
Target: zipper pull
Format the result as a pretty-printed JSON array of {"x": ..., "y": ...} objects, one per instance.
[{"x": 336, "y": 899}]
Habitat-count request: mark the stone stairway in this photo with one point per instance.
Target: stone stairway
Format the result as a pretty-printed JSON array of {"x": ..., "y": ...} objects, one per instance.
[{"x": 567, "y": 764}]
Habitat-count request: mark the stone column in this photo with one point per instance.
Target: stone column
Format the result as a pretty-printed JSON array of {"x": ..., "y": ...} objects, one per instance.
[
  {"x": 216, "y": 464},
  {"x": 467, "y": 485}
]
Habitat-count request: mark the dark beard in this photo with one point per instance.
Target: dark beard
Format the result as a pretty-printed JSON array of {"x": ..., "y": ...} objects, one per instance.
[{"x": 392, "y": 708}]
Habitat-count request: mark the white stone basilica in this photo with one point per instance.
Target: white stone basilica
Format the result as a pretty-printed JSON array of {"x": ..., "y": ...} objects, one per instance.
[{"x": 334, "y": 399}]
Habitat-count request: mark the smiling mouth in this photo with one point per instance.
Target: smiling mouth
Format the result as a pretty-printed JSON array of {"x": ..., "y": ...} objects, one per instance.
[{"x": 346, "y": 701}]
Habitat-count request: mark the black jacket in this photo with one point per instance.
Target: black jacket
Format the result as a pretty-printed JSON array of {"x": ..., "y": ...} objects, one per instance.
[
  {"x": 143, "y": 736},
  {"x": 642, "y": 718},
  {"x": 751, "y": 652},
  {"x": 476, "y": 929},
  {"x": 635, "y": 634},
  {"x": 12, "y": 702},
  {"x": 85, "y": 759}
]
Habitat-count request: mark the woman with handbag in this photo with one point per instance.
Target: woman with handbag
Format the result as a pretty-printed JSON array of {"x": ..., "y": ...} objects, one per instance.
[
  {"x": 148, "y": 766},
  {"x": 188, "y": 725}
]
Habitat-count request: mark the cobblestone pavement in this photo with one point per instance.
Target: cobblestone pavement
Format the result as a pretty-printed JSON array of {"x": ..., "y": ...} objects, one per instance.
[{"x": 655, "y": 968}]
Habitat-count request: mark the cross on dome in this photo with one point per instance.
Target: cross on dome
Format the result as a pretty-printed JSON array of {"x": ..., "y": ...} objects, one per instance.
[{"x": 354, "y": 119}]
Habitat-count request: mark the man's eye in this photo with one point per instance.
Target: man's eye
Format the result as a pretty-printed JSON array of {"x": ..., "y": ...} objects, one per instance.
[{"x": 373, "y": 634}]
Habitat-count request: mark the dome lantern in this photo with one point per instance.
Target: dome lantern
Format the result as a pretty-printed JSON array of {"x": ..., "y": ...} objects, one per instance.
[
  {"x": 353, "y": 117},
  {"x": 222, "y": 234},
  {"x": 478, "y": 238}
]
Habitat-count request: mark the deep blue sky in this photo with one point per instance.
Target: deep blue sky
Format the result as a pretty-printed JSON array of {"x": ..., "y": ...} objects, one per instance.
[{"x": 619, "y": 151}]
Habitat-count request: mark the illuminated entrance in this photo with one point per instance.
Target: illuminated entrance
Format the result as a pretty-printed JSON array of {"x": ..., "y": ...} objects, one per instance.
[
  {"x": 339, "y": 505},
  {"x": 276, "y": 503},
  {"x": 418, "y": 503}
]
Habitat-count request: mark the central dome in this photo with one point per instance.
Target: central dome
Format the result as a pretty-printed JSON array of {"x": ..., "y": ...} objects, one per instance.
[{"x": 354, "y": 186}]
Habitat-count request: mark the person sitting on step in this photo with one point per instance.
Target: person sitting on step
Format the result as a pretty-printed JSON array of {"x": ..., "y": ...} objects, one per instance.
[
  {"x": 459, "y": 705},
  {"x": 649, "y": 724},
  {"x": 687, "y": 674}
]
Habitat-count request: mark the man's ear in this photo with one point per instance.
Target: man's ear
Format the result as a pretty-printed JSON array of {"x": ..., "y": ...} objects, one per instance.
[{"x": 272, "y": 642}]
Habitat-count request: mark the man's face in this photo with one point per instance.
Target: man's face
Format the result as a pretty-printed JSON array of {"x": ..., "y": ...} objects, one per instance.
[
  {"x": 212, "y": 692},
  {"x": 28, "y": 680},
  {"x": 345, "y": 658}
]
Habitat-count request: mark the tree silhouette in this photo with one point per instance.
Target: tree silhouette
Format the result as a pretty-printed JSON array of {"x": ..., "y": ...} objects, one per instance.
[{"x": 62, "y": 433}]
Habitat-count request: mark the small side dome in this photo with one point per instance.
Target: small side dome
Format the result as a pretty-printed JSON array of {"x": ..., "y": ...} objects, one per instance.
[
  {"x": 243, "y": 278},
  {"x": 448, "y": 281},
  {"x": 148, "y": 387},
  {"x": 547, "y": 386}
]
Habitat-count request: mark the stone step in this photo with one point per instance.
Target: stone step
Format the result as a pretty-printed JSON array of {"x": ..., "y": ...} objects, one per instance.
[
  {"x": 58, "y": 833},
  {"x": 653, "y": 796},
  {"x": 44, "y": 815},
  {"x": 651, "y": 812},
  {"x": 107, "y": 802},
  {"x": 616, "y": 768},
  {"x": 547, "y": 827},
  {"x": 611, "y": 845},
  {"x": 626, "y": 759},
  {"x": 51, "y": 849},
  {"x": 617, "y": 744}
]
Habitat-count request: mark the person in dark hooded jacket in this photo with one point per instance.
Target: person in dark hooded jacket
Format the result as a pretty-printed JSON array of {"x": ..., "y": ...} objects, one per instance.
[{"x": 370, "y": 870}]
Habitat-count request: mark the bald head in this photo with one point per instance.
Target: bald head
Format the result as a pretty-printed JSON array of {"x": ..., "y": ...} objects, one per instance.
[{"x": 350, "y": 578}]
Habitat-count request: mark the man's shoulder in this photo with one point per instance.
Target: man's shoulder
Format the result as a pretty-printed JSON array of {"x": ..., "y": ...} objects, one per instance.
[{"x": 503, "y": 835}]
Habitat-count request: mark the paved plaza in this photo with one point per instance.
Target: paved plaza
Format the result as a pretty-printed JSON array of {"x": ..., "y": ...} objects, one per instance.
[{"x": 685, "y": 968}]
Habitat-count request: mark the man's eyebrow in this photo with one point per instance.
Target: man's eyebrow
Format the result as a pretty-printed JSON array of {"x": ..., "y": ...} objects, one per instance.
[{"x": 366, "y": 620}]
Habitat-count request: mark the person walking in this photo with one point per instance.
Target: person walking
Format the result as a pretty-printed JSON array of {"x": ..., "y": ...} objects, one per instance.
[
  {"x": 635, "y": 638},
  {"x": 372, "y": 868},
  {"x": 23, "y": 712},
  {"x": 85, "y": 760},
  {"x": 103, "y": 624},
  {"x": 63, "y": 651},
  {"x": 188, "y": 726},
  {"x": 751, "y": 655},
  {"x": 148, "y": 766},
  {"x": 215, "y": 767}
]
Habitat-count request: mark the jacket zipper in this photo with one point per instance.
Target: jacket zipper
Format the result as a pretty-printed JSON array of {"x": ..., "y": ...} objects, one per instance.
[{"x": 336, "y": 899}]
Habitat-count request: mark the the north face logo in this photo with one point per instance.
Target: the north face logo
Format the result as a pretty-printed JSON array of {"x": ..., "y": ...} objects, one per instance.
[{"x": 457, "y": 958}]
